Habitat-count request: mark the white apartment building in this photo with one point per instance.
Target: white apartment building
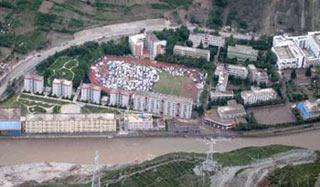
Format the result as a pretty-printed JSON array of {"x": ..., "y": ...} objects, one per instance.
[
  {"x": 62, "y": 88},
  {"x": 33, "y": 83},
  {"x": 256, "y": 95},
  {"x": 242, "y": 53},
  {"x": 206, "y": 39},
  {"x": 191, "y": 52},
  {"x": 297, "y": 51},
  {"x": 90, "y": 93},
  {"x": 155, "y": 46},
  {"x": 222, "y": 82},
  {"x": 70, "y": 123},
  {"x": 119, "y": 98},
  {"x": 136, "y": 44},
  {"x": 161, "y": 104},
  {"x": 134, "y": 122},
  {"x": 146, "y": 42},
  {"x": 257, "y": 75}
]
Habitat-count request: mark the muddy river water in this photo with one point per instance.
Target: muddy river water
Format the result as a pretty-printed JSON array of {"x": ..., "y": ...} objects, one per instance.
[{"x": 124, "y": 150}]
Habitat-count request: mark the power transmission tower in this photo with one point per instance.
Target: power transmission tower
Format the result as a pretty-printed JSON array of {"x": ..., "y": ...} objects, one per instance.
[{"x": 96, "y": 176}]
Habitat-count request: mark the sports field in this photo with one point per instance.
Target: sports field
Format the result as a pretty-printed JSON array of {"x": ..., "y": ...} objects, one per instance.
[
  {"x": 171, "y": 85},
  {"x": 63, "y": 68}
]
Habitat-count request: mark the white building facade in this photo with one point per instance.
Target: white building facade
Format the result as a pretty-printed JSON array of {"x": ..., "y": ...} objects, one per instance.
[
  {"x": 62, "y": 88},
  {"x": 297, "y": 51},
  {"x": 257, "y": 95},
  {"x": 191, "y": 52},
  {"x": 90, "y": 93},
  {"x": 33, "y": 84},
  {"x": 161, "y": 104},
  {"x": 119, "y": 98}
]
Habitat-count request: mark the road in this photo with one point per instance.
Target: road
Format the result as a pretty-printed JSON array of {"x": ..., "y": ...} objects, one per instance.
[{"x": 104, "y": 33}]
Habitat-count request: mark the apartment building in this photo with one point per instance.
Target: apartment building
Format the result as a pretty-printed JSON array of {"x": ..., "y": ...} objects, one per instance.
[
  {"x": 206, "y": 40},
  {"x": 256, "y": 95},
  {"x": 161, "y": 104},
  {"x": 191, "y": 52},
  {"x": 33, "y": 83},
  {"x": 70, "y": 123},
  {"x": 90, "y": 93},
  {"x": 242, "y": 53},
  {"x": 62, "y": 88},
  {"x": 146, "y": 45},
  {"x": 119, "y": 98},
  {"x": 258, "y": 75},
  {"x": 297, "y": 51}
]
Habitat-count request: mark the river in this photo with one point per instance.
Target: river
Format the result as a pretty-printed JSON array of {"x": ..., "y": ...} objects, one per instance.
[{"x": 124, "y": 150}]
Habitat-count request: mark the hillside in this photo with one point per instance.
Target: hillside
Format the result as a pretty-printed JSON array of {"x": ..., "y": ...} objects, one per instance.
[
  {"x": 253, "y": 166},
  {"x": 262, "y": 16}
]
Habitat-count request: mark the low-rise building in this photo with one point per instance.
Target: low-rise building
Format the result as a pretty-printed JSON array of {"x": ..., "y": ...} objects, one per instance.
[
  {"x": 297, "y": 51},
  {"x": 191, "y": 52},
  {"x": 309, "y": 109},
  {"x": 119, "y": 98},
  {"x": 134, "y": 122},
  {"x": 222, "y": 82},
  {"x": 33, "y": 83},
  {"x": 62, "y": 88},
  {"x": 206, "y": 40},
  {"x": 232, "y": 110},
  {"x": 237, "y": 71},
  {"x": 70, "y": 123},
  {"x": 90, "y": 93},
  {"x": 257, "y": 75},
  {"x": 242, "y": 53},
  {"x": 10, "y": 122},
  {"x": 221, "y": 95},
  {"x": 256, "y": 95}
]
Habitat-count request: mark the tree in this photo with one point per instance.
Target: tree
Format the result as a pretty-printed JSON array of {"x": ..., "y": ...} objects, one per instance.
[
  {"x": 308, "y": 72},
  {"x": 189, "y": 43},
  {"x": 293, "y": 74},
  {"x": 200, "y": 45}
]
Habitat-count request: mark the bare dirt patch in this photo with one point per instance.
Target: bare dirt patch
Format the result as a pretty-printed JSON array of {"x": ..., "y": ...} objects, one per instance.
[
  {"x": 271, "y": 115},
  {"x": 57, "y": 38},
  {"x": 45, "y": 7}
]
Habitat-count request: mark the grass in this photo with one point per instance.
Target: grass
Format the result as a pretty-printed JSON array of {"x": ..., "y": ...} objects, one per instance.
[
  {"x": 171, "y": 85},
  {"x": 63, "y": 68},
  {"x": 92, "y": 109},
  {"x": 249, "y": 155},
  {"x": 40, "y": 98},
  {"x": 298, "y": 175}
]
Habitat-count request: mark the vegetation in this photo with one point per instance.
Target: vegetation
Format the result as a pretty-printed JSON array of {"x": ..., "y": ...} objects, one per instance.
[
  {"x": 294, "y": 94},
  {"x": 215, "y": 20},
  {"x": 173, "y": 37},
  {"x": 93, "y": 109},
  {"x": 297, "y": 175},
  {"x": 249, "y": 155},
  {"x": 85, "y": 54}
]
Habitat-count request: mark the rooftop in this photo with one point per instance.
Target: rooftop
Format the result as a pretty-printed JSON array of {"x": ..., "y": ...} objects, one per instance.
[
  {"x": 243, "y": 49},
  {"x": 190, "y": 49},
  {"x": 68, "y": 117},
  {"x": 9, "y": 114},
  {"x": 284, "y": 52}
]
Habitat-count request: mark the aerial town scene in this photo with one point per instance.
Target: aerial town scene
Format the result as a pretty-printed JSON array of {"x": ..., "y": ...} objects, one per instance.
[{"x": 160, "y": 93}]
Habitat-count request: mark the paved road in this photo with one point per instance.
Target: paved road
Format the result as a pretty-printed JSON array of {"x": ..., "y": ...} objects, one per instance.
[{"x": 104, "y": 33}]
